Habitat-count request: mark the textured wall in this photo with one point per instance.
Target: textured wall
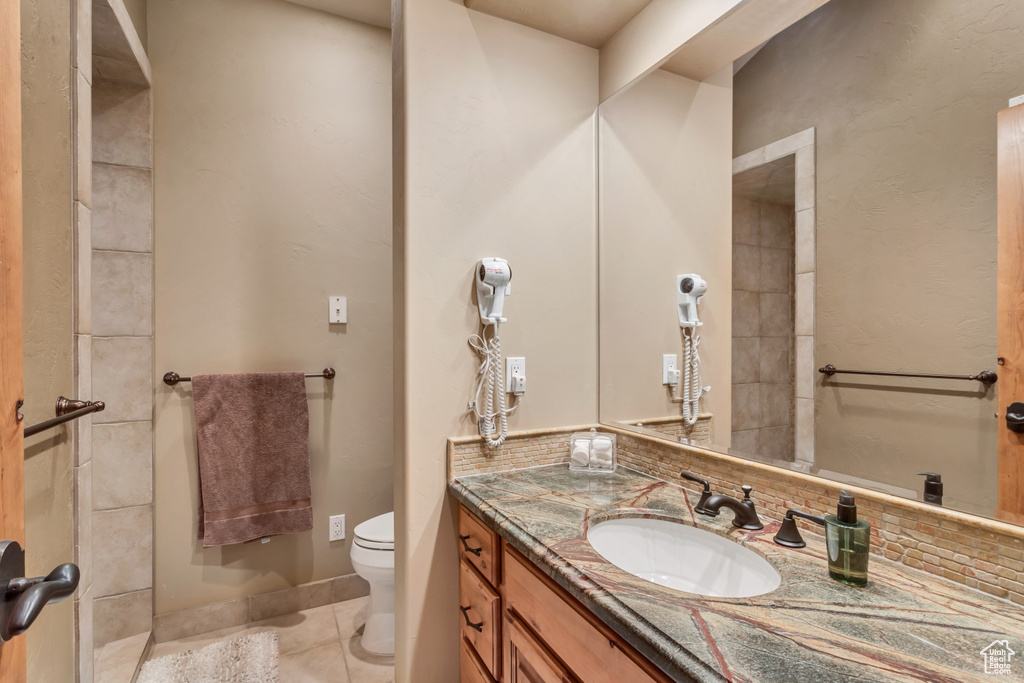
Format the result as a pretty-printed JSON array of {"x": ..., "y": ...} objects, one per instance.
[
  {"x": 272, "y": 171},
  {"x": 499, "y": 161},
  {"x": 48, "y": 275},
  {"x": 904, "y": 97},
  {"x": 666, "y": 183}
]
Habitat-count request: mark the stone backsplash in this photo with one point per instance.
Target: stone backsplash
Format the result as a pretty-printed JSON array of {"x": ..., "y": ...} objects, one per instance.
[{"x": 980, "y": 553}]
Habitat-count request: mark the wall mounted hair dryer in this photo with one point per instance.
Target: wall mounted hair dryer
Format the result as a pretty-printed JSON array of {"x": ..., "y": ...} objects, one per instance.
[
  {"x": 493, "y": 283},
  {"x": 493, "y": 278},
  {"x": 690, "y": 289}
]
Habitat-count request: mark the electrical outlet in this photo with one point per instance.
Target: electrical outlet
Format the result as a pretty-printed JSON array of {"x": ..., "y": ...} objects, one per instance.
[
  {"x": 670, "y": 369},
  {"x": 515, "y": 376},
  {"x": 337, "y": 527}
]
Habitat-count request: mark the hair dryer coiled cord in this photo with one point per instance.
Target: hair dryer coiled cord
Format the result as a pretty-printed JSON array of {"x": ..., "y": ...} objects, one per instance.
[
  {"x": 491, "y": 381},
  {"x": 691, "y": 381}
]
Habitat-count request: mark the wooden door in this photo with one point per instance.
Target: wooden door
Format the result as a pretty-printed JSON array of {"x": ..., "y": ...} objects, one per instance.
[
  {"x": 526, "y": 658},
  {"x": 12, "y": 457},
  {"x": 1010, "y": 191}
]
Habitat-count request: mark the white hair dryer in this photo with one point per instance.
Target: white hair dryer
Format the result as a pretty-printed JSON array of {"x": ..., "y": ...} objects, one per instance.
[
  {"x": 493, "y": 283},
  {"x": 493, "y": 278},
  {"x": 690, "y": 289}
]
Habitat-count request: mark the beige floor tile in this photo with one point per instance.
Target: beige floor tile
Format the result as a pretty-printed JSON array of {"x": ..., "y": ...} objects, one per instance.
[
  {"x": 301, "y": 630},
  {"x": 121, "y": 652},
  {"x": 117, "y": 674},
  {"x": 322, "y": 664},
  {"x": 351, "y": 616},
  {"x": 366, "y": 668}
]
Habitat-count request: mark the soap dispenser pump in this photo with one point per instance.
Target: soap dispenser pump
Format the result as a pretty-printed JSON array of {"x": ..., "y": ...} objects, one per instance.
[
  {"x": 932, "y": 487},
  {"x": 848, "y": 540}
]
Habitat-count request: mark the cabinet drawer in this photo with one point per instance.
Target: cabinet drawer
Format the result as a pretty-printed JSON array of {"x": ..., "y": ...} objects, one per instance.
[
  {"x": 591, "y": 650},
  {"x": 471, "y": 669},
  {"x": 480, "y": 617},
  {"x": 527, "y": 660},
  {"x": 478, "y": 545}
]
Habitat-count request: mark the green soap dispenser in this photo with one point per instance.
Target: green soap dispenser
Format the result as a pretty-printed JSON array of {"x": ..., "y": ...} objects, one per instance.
[{"x": 849, "y": 543}]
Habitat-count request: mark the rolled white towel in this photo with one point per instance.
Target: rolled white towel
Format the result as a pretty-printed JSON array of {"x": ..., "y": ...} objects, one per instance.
[
  {"x": 601, "y": 452},
  {"x": 580, "y": 453}
]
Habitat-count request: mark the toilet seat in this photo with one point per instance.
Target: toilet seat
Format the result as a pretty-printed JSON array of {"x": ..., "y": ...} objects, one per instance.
[{"x": 377, "y": 533}]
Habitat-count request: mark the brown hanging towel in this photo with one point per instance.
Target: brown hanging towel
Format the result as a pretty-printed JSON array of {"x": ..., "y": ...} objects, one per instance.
[{"x": 253, "y": 434}]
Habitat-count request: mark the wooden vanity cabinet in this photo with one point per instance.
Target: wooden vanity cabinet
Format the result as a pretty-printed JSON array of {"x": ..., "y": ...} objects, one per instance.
[{"x": 522, "y": 627}]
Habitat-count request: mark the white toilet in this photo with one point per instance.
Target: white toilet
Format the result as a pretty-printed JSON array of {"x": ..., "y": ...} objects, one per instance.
[{"x": 373, "y": 557}]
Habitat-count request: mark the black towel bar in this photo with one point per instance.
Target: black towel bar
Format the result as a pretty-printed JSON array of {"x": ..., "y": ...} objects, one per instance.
[
  {"x": 988, "y": 377},
  {"x": 172, "y": 378}
]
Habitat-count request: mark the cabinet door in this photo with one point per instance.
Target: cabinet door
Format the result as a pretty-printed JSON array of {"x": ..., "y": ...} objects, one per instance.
[
  {"x": 471, "y": 669},
  {"x": 527, "y": 660}
]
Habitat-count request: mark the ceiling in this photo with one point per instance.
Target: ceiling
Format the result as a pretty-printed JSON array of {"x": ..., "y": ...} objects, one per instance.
[
  {"x": 589, "y": 22},
  {"x": 774, "y": 182},
  {"x": 376, "y": 12}
]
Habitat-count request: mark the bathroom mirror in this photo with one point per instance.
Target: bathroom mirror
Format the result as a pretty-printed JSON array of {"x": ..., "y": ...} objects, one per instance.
[{"x": 836, "y": 189}]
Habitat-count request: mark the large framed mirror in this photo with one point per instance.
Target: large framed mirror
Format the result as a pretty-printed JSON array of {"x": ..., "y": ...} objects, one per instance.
[{"x": 836, "y": 189}]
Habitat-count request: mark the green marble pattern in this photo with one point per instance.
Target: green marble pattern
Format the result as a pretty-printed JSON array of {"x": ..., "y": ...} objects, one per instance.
[{"x": 905, "y": 625}]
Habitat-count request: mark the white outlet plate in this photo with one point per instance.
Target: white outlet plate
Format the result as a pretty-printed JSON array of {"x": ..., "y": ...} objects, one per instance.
[
  {"x": 338, "y": 309},
  {"x": 337, "y": 527},
  {"x": 515, "y": 375},
  {"x": 670, "y": 369}
]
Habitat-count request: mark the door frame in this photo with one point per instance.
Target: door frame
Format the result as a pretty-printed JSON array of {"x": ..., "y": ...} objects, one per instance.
[
  {"x": 12, "y": 440},
  {"x": 1010, "y": 311}
]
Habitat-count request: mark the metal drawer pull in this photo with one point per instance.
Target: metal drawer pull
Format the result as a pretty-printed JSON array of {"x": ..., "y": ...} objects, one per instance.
[
  {"x": 465, "y": 546},
  {"x": 465, "y": 615}
]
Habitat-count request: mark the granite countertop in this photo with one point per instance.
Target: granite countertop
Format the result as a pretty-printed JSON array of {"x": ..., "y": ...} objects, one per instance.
[{"x": 906, "y": 625}]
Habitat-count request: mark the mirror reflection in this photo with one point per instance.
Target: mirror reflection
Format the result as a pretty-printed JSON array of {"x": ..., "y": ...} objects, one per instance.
[{"x": 836, "y": 189}]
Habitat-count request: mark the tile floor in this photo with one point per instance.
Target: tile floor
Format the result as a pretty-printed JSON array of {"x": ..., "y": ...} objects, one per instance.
[{"x": 319, "y": 645}]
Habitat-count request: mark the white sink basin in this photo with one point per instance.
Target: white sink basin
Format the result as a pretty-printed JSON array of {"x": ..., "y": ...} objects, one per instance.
[{"x": 683, "y": 557}]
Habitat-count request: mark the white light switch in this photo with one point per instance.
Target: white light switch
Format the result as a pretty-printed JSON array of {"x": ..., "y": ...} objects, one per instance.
[{"x": 339, "y": 309}]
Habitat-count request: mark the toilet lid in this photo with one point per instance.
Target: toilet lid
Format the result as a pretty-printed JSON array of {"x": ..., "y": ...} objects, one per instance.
[{"x": 380, "y": 529}]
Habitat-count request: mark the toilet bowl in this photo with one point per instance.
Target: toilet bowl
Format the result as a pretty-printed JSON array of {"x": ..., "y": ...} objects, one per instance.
[{"x": 373, "y": 557}]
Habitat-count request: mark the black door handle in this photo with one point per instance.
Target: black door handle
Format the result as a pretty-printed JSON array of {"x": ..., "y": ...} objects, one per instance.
[
  {"x": 478, "y": 626},
  {"x": 1015, "y": 417},
  {"x": 23, "y": 599},
  {"x": 465, "y": 546}
]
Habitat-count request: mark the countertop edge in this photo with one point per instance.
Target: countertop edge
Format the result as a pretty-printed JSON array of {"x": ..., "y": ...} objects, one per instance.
[{"x": 655, "y": 645}]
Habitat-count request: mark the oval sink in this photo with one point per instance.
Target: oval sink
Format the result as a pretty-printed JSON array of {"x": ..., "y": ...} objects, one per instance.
[{"x": 683, "y": 557}]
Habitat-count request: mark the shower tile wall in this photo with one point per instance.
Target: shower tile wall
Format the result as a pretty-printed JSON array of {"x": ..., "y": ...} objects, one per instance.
[
  {"x": 763, "y": 339},
  {"x": 122, "y": 360}
]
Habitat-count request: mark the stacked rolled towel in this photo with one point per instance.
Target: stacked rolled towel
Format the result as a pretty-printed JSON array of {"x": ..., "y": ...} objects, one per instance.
[
  {"x": 580, "y": 456},
  {"x": 601, "y": 452}
]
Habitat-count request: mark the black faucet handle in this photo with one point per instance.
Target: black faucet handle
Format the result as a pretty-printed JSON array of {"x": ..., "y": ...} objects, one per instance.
[
  {"x": 696, "y": 480},
  {"x": 747, "y": 490},
  {"x": 789, "y": 534}
]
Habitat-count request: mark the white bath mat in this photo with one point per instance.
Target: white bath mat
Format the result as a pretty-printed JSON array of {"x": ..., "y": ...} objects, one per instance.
[{"x": 246, "y": 659}]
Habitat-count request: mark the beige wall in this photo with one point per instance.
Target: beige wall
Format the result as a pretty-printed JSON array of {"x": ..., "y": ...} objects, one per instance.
[
  {"x": 48, "y": 275},
  {"x": 653, "y": 35},
  {"x": 272, "y": 171},
  {"x": 666, "y": 188},
  {"x": 499, "y": 160},
  {"x": 137, "y": 13},
  {"x": 904, "y": 97}
]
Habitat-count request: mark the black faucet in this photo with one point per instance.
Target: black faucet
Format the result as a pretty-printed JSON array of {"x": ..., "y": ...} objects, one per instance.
[
  {"x": 746, "y": 515},
  {"x": 789, "y": 533},
  {"x": 705, "y": 494}
]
